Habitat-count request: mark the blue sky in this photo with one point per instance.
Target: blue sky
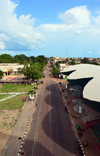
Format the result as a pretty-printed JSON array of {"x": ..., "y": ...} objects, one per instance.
[{"x": 50, "y": 27}]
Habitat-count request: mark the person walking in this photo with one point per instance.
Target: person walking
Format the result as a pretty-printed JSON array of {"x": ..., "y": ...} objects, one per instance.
[{"x": 36, "y": 105}]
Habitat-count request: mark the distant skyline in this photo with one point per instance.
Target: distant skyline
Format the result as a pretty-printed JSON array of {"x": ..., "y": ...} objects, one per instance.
[{"x": 50, "y": 28}]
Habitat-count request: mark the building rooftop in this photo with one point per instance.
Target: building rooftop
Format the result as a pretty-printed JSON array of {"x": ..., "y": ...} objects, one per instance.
[{"x": 92, "y": 88}]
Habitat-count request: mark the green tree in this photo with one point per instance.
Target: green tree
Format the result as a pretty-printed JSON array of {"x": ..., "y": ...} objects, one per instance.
[
  {"x": 72, "y": 62},
  {"x": 55, "y": 70},
  {"x": 21, "y": 58},
  {"x": 6, "y": 58},
  {"x": 85, "y": 60},
  {"x": 41, "y": 59},
  {"x": 66, "y": 60},
  {"x": 32, "y": 71},
  {"x": 1, "y": 74}
]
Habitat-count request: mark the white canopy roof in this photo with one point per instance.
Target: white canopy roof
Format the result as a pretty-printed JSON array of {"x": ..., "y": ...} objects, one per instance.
[{"x": 92, "y": 89}]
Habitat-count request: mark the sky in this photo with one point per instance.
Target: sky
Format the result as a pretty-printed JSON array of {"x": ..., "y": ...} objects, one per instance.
[{"x": 50, "y": 27}]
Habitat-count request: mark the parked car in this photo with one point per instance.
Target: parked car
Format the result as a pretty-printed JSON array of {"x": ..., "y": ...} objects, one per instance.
[
  {"x": 43, "y": 75},
  {"x": 41, "y": 82}
]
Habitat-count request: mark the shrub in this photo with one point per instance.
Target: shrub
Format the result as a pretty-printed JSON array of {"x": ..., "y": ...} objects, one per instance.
[
  {"x": 34, "y": 92},
  {"x": 38, "y": 83},
  {"x": 19, "y": 138}
]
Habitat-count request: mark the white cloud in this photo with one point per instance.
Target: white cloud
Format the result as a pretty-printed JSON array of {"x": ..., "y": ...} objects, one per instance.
[
  {"x": 97, "y": 20},
  {"x": 90, "y": 52},
  {"x": 78, "y": 15},
  {"x": 26, "y": 19},
  {"x": 18, "y": 31},
  {"x": 4, "y": 37},
  {"x": 79, "y": 32},
  {"x": 78, "y": 20},
  {"x": 68, "y": 17},
  {"x": 2, "y": 46}
]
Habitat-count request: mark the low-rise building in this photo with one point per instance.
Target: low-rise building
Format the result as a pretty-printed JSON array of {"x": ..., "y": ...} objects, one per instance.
[
  {"x": 10, "y": 68},
  {"x": 62, "y": 66}
]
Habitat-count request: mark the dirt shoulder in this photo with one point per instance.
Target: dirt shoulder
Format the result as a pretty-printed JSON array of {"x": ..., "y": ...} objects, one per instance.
[{"x": 8, "y": 119}]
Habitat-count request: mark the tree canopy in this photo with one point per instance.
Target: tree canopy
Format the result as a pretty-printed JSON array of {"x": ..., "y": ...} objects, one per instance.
[
  {"x": 6, "y": 58},
  {"x": 85, "y": 60},
  {"x": 1, "y": 74},
  {"x": 32, "y": 71},
  {"x": 55, "y": 70},
  {"x": 23, "y": 59}
]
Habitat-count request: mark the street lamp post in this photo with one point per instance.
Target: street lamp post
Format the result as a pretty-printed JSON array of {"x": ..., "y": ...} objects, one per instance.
[{"x": 59, "y": 77}]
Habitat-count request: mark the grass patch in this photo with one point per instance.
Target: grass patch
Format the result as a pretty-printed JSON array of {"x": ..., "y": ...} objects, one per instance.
[
  {"x": 4, "y": 96},
  {"x": 15, "y": 88},
  {"x": 16, "y": 102}
]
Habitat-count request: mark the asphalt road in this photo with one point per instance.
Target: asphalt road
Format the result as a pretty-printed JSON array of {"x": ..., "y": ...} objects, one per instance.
[{"x": 51, "y": 132}]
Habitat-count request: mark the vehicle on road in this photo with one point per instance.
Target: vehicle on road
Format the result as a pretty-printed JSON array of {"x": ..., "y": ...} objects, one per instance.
[
  {"x": 41, "y": 82},
  {"x": 43, "y": 75}
]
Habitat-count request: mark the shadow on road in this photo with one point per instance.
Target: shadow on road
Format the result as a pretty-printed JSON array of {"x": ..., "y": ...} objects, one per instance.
[
  {"x": 62, "y": 132},
  {"x": 36, "y": 152},
  {"x": 55, "y": 124}
]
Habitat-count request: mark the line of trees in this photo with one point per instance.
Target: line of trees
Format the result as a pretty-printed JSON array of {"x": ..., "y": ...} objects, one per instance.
[
  {"x": 22, "y": 59},
  {"x": 55, "y": 70}
]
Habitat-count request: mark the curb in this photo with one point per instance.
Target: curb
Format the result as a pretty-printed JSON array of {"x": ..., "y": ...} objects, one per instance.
[{"x": 25, "y": 131}]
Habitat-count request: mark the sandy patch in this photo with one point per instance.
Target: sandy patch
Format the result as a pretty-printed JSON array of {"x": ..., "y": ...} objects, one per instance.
[{"x": 8, "y": 119}]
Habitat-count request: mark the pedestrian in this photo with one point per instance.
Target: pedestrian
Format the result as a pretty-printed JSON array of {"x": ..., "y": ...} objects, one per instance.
[{"x": 36, "y": 105}]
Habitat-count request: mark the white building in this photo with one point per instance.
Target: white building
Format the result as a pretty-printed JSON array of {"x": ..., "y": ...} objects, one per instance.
[{"x": 10, "y": 68}]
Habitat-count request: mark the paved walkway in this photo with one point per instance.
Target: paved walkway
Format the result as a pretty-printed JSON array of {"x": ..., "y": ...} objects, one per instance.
[{"x": 14, "y": 94}]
